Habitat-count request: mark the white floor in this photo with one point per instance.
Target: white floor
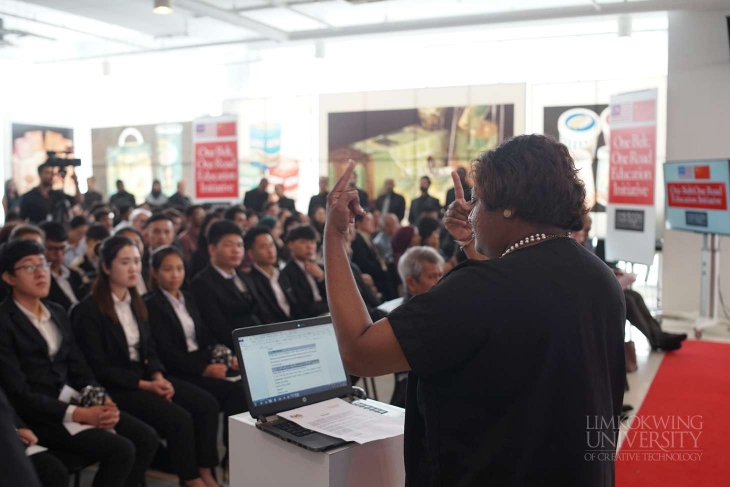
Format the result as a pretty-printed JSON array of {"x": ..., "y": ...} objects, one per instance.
[{"x": 639, "y": 383}]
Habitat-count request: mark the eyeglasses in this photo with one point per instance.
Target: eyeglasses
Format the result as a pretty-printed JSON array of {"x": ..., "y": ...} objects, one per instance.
[{"x": 30, "y": 269}]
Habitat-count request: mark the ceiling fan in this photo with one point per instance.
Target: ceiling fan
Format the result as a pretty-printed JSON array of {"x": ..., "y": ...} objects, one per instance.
[{"x": 14, "y": 32}]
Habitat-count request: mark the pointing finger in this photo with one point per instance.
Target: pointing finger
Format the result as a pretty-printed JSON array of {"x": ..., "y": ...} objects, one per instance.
[
  {"x": 342, "y": 183},
  {"x": 458, "y": 189}
]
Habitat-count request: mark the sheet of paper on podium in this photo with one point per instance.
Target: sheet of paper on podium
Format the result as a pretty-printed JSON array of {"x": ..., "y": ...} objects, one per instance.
[{"x": 341, "y": 419}]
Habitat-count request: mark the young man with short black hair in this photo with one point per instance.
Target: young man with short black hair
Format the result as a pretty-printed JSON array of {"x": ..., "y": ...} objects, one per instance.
[
  {"x": 237, "y": 214},
  {"x": 67, "y": 286},
  {"x": 226, "y": 297},
  {"x": 40, "y": 361},
  {"x": 305, "y": 275},
  {"x": 277, "y": 302}
]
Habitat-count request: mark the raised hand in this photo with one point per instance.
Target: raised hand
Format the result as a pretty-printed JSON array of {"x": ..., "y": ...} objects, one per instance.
[
  {"x": 343, "y": 204},
  {"x": 456, "y": 218}
]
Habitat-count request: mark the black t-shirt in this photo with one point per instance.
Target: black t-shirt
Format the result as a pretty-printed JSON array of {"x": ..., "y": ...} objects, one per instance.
[
  {"x": 512, "y": 360},
  {"x": 37, "y": 208}
]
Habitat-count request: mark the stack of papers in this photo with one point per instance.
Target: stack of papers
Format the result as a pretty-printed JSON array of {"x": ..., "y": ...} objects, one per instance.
[{"x": 341, "y": 419}]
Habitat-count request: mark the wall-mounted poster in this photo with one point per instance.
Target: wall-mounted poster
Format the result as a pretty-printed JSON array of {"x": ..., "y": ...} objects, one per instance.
[
  {"x": 405, "y": 145},
  {"x": 405, "y": 135},
  {"x": 30, "y": 146},
  {"x": 584, "y": 130},
  {"x": 139, "y": 154}
]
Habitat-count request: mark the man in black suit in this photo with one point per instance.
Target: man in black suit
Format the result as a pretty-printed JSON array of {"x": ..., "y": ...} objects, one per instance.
[
  {"x": 257, "y": 197},
  {"x": 67, "y": 286},
  {"x": 122, "y": 197},
  {"x": 319, "y": 199},
  {"x": 226, "y": 297},
  {"x": 305, "y": 275},
  {"x": 367, "y": 256},
  {"x": 450, "y": 194},
  {"x": 425, "y": 200},
  {"x": 40, "y": 360},
  {"x": 391, "y": 202},
  {"x": 276, "y": 299},
  {"x": 284, "y": 202},
  {"x": 91, "y": 197},
  {"x": 179, "y": 200},
  {"x": 364, "y": 199}
]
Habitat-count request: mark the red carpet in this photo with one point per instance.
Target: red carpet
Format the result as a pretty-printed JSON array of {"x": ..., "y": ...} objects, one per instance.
[{"x": 689, "y": 398}]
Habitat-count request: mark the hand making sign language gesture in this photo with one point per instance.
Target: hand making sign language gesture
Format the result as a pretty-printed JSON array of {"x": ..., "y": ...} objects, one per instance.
[
  {"x": 458, "y": 220},
  {"x": 343, "y": 203},
  {"x": 367, "y": 349}
]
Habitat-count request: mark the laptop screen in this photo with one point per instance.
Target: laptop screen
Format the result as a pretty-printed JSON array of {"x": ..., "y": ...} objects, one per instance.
[{"x": 293, "y": 363}]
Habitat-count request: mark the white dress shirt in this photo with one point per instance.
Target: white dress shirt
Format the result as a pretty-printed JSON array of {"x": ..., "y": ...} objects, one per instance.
[
  {"x": 276, "y": 287},
  {"x": 312, "y": 283},
  {"x": 188, "y": 325},
  {"x": 73, "y": 253},
  {"x": 53, "y": 337},
  {"x": 129, "y": 324},
  {"x": 233, "y": 275},
  {"x": 64, "y": 284}
]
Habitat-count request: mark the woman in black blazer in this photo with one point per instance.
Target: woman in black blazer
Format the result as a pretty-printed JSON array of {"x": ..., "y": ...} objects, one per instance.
[
  {"x": 111, "y": 325},
  {"x": 183, "y": 342}
]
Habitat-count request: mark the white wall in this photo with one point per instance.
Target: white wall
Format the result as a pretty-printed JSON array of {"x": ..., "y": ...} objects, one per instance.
[{"x": 698, "y": 118}]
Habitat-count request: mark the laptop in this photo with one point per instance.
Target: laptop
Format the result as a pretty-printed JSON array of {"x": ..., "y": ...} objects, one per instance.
[{"x": 288, "y": 365}]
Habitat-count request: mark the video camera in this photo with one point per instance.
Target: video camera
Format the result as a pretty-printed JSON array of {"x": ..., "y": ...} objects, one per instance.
[{"x": 61, "y": 160}]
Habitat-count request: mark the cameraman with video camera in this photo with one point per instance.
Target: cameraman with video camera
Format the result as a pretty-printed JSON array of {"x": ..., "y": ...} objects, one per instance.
[{"x": 43, "y": 203}]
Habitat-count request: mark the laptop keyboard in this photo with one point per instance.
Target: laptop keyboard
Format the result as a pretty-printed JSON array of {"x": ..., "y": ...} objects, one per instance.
[
  {"x": 368, "y": 407},
  {"x": 292, "y": 428}
]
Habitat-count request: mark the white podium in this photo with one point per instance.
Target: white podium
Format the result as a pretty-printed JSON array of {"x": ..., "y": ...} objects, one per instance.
[{"x": 262, "y": 460}]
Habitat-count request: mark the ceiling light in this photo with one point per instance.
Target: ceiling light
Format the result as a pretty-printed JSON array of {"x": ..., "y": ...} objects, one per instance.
[
  {"x": 162, "y": 7},
  {"x": 624, "y": 26}
]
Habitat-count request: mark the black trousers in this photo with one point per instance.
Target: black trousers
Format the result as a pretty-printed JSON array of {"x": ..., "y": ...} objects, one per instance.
[
  {"x": 189, "y": 423},
  {"x": 230, "y": 396},
  {"x": 639, "y": 315},
  {"x": 51, "y": 471},
  {"x": 123, "y": 457}
]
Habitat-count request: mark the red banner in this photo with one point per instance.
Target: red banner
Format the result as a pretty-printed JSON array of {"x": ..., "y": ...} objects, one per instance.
[
  {"x": 632, "y": 166},
  {"x": 706, "y": 196},
  {"x": 216, "y": 170},
  {"x": 216, "y": 159}
]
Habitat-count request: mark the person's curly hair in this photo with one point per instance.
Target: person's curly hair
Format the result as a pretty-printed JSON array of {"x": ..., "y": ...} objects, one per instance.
[{"x": 536, "y": 177}]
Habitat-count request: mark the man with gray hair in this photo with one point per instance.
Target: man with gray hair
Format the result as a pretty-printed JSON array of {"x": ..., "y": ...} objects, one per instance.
[{"x": 420, "y": 268}]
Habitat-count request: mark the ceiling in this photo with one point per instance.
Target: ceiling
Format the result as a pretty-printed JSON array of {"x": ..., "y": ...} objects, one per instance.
[{"x": 97, "y": 29}]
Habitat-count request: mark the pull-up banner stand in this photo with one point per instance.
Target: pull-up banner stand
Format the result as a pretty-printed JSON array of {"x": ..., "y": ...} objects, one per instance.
[{"x": 631, "y": 214}]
